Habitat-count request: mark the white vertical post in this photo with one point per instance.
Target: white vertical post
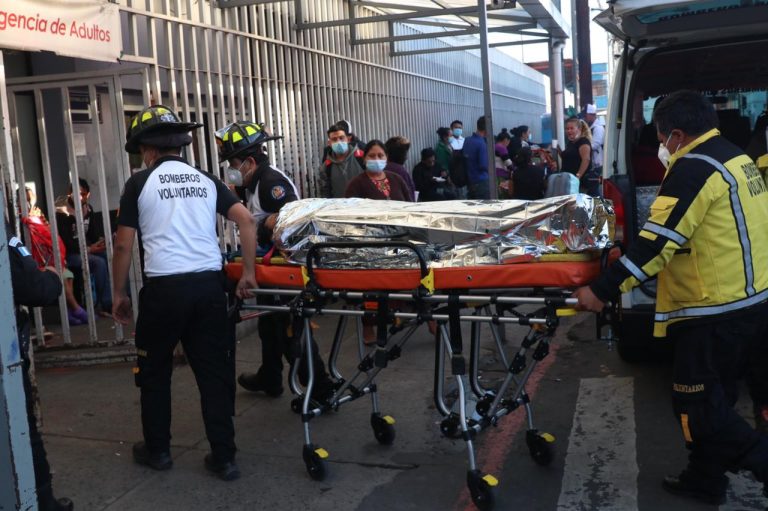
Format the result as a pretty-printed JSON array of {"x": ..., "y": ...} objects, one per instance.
[{"x": 558, "y": 106}]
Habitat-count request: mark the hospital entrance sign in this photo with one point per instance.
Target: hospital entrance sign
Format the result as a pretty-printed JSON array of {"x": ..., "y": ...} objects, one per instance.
[{"x": 88, "y": 29}]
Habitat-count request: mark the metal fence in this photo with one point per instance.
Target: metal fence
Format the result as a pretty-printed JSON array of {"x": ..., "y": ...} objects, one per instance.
[
  {"x": 250, "y": 62},
  {"x": 219, "y": 65}
]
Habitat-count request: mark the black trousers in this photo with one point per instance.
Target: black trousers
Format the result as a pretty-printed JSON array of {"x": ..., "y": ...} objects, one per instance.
[
  {"x": 191, "y": 309},
  {"x": 710, "y": 360},
  {"x": 281, "y": 336}
]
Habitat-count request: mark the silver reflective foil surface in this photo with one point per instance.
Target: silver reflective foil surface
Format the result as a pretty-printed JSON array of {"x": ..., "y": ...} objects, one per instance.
[{"x": 449, "y": 233}]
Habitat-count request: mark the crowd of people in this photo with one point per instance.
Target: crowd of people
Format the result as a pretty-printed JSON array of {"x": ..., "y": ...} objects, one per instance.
[{"x": 457, "y": 167}]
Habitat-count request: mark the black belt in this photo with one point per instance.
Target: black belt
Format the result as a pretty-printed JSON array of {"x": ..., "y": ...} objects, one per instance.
[{"x": 195, "y": 275}]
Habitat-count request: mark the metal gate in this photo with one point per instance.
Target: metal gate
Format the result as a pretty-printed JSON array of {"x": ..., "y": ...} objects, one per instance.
[{"x": 64, "y": 128}]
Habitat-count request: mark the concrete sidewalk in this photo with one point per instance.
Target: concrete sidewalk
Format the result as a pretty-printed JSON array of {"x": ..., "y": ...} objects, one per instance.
[{"x": 91, "y": 420}]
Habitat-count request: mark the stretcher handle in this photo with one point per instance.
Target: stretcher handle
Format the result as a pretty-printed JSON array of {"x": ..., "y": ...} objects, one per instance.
[{"x": 313, "y": 255}]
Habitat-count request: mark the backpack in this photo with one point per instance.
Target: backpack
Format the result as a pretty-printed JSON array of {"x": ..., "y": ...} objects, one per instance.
[{"x": 562, "y": 183}]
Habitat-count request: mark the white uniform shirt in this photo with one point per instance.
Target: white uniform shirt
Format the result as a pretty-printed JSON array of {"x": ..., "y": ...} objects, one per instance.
[
  {"x": 174, "y": 207},
  {"x": 598, "y": 138},
  {"x": 456, "y": 143}
]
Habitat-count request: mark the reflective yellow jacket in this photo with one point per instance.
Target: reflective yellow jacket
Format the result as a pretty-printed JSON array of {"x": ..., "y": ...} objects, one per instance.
[{"x": 706, "y": 238}]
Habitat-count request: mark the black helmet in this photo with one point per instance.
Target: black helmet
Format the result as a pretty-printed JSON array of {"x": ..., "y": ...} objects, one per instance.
[
  {"x": 237, "y": 138},
  {"x": 158, "y": 126}
]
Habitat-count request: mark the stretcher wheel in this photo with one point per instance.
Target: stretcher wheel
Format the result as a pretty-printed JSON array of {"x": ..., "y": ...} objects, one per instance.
[
  {"x": 383, "y": 428},
  {"x": 450, "y": 426},
  {"x": 541, "y": 446},
  {"x": 314, "y": 459},
  {"x": 481, "y": 489}
]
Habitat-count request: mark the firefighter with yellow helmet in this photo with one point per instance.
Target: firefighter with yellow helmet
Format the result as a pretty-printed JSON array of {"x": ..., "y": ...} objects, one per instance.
[
  {"x": 267, "y": 189},
  {"x": 173, "y": 206}
]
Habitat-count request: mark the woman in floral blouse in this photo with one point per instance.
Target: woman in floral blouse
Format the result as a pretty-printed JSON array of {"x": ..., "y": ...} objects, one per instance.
[{"x": 375, "y": 182}]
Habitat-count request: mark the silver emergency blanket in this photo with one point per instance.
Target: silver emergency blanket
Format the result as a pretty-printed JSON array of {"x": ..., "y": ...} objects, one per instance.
[{"x": 449, "y": 233}]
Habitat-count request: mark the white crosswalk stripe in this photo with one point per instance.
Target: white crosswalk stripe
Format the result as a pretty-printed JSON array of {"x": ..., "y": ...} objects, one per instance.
[
  {"x": 744, "y": 493},
  {"x": 601, "y": 467},
  {"x": 601, "y": 464}
]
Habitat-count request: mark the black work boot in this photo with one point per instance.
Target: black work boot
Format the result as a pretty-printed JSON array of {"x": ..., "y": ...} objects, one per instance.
[
  {"x": 155, "y": 460},
  {"x": 688, "y": 484},
  {"x": 254, "y": 382},
  {"x": 224, "y": 470},
  {"x": 47, "y": 502}
]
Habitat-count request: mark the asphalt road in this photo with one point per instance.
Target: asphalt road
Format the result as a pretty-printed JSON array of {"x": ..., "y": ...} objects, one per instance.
[{"x": 615, "y": 440}]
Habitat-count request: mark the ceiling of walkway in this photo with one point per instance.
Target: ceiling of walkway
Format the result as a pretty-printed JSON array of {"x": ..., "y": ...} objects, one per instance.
[{"x": 454, "y": 21}]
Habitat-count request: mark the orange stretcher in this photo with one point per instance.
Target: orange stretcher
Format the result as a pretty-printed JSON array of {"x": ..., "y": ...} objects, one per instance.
[
  {"x": 398, "y": 301},
  {"x": 566, "y": 271}
]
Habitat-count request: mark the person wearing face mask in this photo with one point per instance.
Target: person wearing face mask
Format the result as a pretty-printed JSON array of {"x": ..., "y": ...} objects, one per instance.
[
  {"x": 705, "y": 239},
  {"x": 344, "y": 162},
  {"x": 267, "y": 190},
  {"x": 375, "y": 182},
  {"x": 457, "y": 135},
  {"x": 173, "y": 205},
  {"x": 354, "y": 141},
  {"x": 458, "y": 164}
]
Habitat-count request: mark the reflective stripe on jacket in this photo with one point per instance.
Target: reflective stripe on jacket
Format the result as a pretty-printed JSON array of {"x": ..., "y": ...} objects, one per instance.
[{"x": 705, "y": 237}]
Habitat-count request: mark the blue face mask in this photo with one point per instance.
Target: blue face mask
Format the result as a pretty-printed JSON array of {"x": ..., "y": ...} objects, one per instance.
[
  {"x": 375, "y": 165},
  {"x": 340, "y": 147},
  {"x": 457, "y": 132}
]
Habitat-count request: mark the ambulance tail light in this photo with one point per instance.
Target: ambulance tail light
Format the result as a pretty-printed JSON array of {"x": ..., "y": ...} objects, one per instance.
[{"x": 612, "y": 193}]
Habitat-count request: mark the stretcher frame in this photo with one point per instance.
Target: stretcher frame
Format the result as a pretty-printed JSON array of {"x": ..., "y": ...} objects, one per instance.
[{"x": 310, "y": 298}]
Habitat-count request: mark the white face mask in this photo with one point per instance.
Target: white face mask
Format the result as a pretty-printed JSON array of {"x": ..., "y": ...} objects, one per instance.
[
  {"x": 235, "y": 175},
  {"x": 664, "y": 154}
]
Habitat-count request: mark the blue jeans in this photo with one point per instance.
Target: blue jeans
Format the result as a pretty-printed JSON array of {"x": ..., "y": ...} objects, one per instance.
[{"x": 99, "y": 277}]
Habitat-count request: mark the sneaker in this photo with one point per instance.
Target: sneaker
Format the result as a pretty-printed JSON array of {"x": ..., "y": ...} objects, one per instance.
[
  {"x": 81, "y": 314},
  {"x": 685, "y": 485},
  {"x": 226, "y": 470},
  {"x": 253, "y": 382},
  {"x": 74, "y": 320},
  {"x": 155, "y": 460}
]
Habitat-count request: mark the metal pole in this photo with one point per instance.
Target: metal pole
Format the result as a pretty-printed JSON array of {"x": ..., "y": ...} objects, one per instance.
[
  {"x": 558, "y": 109},
  {"x": 487, "y": 99},
  {"x": 575, "y": 34}
]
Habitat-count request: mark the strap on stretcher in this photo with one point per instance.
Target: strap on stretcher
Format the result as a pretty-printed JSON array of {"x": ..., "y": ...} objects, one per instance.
[{"x": 458, "y": 364}]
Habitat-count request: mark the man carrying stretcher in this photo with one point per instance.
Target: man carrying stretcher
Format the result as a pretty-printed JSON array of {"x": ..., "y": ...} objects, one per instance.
[
  {"x": 705, "y": 239},
  {"x": 267, "y": 189}
]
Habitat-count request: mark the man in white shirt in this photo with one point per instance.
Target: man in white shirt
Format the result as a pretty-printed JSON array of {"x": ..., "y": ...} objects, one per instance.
[
  {"x": 457, "y": 140},
  {"x": 598, "y": 137}
]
